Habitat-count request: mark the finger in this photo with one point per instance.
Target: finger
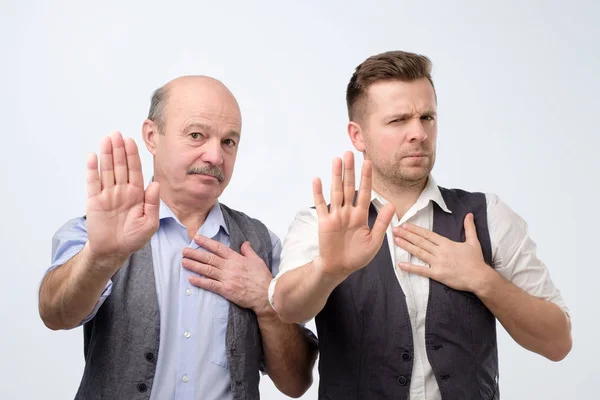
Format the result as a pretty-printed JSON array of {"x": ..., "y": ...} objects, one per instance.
[
  {"x": 384, "y": 217},
  {"x": 119, "y": 158},
  {"x": 349, "y": 185},
  {"x": 471, "y": 230},
  {"x": 337, "y": 192},
  {"x": 424, "y": 233},
  {"x": 416, "y": 269},
  {"x": 107, "y": 172},
  {"x": 417, "y": 240},
  {"x": 134, "y": 164},
  {"x": 364, "y": 191},
  {"x": 248, "y": 251},
  {"x": 319, "y": 200},
  {"x": 418, "y": 252},
  {"x": 152, "y": 201},
  {"x": 208, "y": 271},
  {"x": 94, "y": 187},
  {"x": 214, "y": 247},
  {"x": 208, "y": 284},
  {"x": 204, "y": 257}
]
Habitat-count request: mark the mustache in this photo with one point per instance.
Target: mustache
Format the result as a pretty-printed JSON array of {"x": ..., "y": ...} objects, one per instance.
[
  {"x": 210, "y": 170},
  {"x": 419, "y": 150}
]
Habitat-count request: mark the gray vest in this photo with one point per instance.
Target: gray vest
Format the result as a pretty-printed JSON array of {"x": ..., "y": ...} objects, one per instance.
[
  {"x": 121, "y": 342},
  {"x": 366, "y": 343}
]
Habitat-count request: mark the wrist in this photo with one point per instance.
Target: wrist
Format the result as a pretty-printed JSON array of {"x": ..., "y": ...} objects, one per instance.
[
  {"x": 102, "y": 263},
  {"x": 485, "y": 282},
  {"x": 266, "y": 314},
  {"x": 330, "y": 280}
]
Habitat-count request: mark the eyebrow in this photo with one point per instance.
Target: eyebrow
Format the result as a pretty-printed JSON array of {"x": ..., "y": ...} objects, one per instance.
[
  {"x": 204, "y": 127},
  {"x": 408, "y": 114},
  {"x": 233, "y": 133}
]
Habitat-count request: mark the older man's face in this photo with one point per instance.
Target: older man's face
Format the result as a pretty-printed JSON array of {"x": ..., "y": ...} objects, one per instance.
[{"x": 195, "y": 152}]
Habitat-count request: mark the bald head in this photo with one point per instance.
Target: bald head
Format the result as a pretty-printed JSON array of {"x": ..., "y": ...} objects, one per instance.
[
  {"x": 193, "y": 131},
  {"x": 195, "y": 89}
]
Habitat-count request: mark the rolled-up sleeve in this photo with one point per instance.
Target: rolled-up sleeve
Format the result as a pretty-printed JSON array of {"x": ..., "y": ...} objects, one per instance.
[
  {"x": 275, "y": 270},
  {"x": 66, "y": 243},
  {"x": 300, "y": 246},
  {"x": 514, "y": 253}
]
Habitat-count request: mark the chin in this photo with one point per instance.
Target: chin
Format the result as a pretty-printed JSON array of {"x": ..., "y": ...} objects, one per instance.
[
  {"x": 416, "y": 175},
  {"x": 205, "y": 193}
]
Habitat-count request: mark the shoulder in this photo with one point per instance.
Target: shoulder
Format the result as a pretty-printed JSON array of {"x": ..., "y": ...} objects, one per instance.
[
  {"x": 460, "y": 194},
  {"x": 307, "y": 215},
  {"x": 498, "y": 212},
  {"x": 242, "y": 218},
  {"x": 73, "y": 227},
  {"x": 246, "y": 222},
  {"x": 502, "y": 218}
]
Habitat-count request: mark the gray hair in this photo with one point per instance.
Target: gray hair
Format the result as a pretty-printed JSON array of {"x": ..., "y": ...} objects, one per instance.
[{"x": 157, "y": 107}]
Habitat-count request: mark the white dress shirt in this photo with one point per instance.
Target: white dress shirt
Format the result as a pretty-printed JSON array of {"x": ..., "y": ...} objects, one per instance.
[{"x": 513, "y": 254}]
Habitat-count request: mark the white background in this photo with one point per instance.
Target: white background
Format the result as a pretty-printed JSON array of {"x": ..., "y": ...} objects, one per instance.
[{"x": 517, "y": 84}]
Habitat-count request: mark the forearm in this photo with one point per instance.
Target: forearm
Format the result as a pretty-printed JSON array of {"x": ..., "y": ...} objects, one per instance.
[
  {"x": 301, "y": 293},
  {"x": 289, "y": 355},
  {"x": 536, "y": 324},
  {"x": 69, "y": 292}
]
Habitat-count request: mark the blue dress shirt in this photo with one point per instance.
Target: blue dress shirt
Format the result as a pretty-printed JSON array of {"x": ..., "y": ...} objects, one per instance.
[{"x": 192, "y": 362}]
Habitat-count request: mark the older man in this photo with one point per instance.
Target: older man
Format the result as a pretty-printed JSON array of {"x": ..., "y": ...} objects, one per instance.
[
  {"x": 171, "y": 285},
  {"x": 406, "y": 278}
]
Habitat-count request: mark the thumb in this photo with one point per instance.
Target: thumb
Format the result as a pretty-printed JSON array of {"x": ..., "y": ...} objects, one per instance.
[
  {"x": 248, "y": 251},
  {"x": 384, "y": 217},
  {"x": 152, "y": 201},
  {"x": 470, "y": 230}
]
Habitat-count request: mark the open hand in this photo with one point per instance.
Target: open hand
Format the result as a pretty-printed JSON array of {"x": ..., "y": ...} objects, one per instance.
[
  {"x": 121, "y": 216},
  {"x": 346, "y": 243}
]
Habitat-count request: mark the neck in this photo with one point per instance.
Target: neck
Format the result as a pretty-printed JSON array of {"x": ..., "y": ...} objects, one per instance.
[
  {"x": 403, "y": 196},
  {"x": 191, "y": 216}
]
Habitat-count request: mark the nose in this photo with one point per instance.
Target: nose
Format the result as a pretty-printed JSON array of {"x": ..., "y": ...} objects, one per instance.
[
  {"x": 212, "y": 152},
  {"x": 417, "y": 131}
]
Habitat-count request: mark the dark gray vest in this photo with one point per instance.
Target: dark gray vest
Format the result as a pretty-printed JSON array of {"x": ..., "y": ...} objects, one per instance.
[
  {"x": 365, "y": 337},
  {"x": 121, "y": 342}
]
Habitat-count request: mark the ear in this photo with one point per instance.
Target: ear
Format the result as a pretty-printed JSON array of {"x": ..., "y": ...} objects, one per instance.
[
  {"x": 150, "y": 135},
  {"x": 356, "y": 136}
]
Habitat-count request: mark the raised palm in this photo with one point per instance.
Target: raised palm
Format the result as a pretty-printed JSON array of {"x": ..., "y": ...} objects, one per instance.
[
  {"x": 121, "y": 216},
  {"x": 346, "y": 243}
]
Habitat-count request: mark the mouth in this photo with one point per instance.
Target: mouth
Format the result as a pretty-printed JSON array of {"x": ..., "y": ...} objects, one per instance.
[
  {"x": 416, "y": 155},
  {"x": 207, "y": 177}
]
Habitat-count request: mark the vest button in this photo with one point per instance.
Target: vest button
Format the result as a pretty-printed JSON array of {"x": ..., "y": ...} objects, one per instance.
[
  {"x": 142, "y": 387},
  {"x": 149, "y": 356},
  {"x": 406, "y": 356},
  {"x": 402, "y": 381}
]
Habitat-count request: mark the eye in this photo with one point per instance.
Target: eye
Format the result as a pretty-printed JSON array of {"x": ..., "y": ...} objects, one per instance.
[
  {"x": 229, "y": 142},
  {"x": 195, "y": 135},
  {"x": 427, "y": 118}
]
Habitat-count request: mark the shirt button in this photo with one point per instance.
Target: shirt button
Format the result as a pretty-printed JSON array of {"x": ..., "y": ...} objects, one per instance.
[
  {"x": 184, "y": 379},
  {"x": 187, "y": 335},
  {"x": 402, "y": 381},
  {"x": 188, "y": 292}
]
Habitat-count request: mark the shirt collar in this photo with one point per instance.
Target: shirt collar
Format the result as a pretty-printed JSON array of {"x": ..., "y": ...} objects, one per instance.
[
  {"x": 431, "y": 192},
  {"x": 214, "y": 220}
]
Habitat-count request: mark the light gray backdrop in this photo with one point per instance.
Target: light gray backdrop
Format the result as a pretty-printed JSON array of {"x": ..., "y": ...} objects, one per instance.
[{"x": 517, "y": 83}]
